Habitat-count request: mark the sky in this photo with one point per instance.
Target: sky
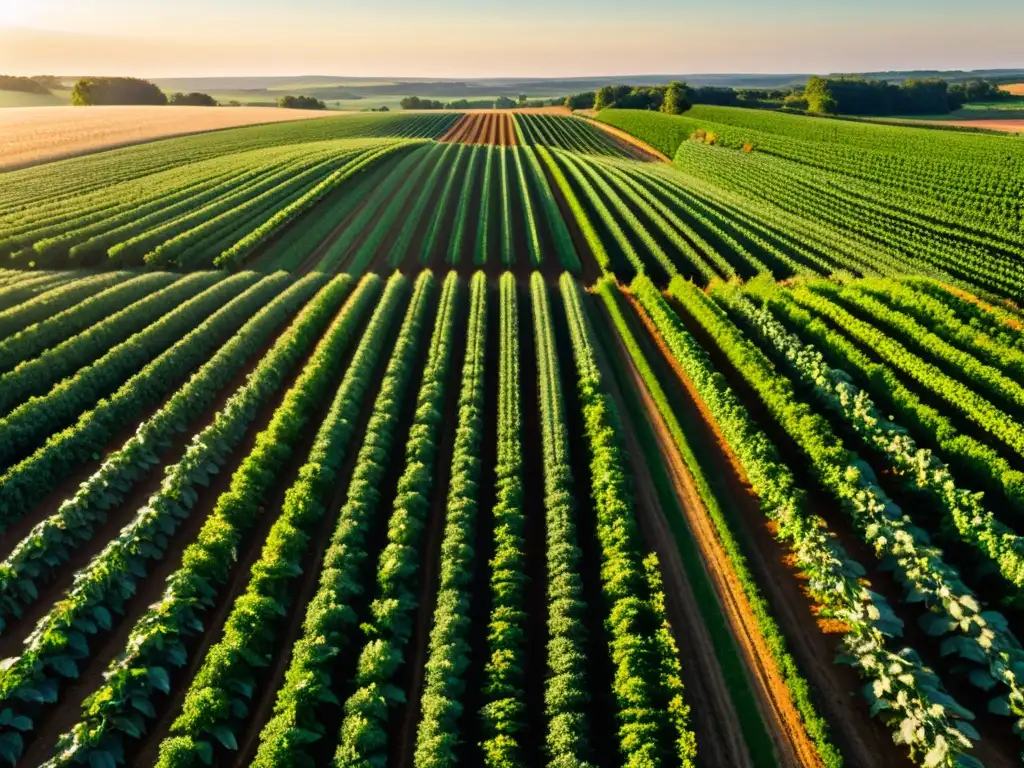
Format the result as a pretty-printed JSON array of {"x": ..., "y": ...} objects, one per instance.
[{"x": 527, "y": 38}]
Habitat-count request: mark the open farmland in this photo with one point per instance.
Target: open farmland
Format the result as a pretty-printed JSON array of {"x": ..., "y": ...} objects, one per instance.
[
  {"x": 491, "y": 439},
  {"x": 34, "y": 135}
]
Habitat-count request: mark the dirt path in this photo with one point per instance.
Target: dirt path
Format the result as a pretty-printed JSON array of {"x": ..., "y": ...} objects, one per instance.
[
  {"x": 813, "y": 642},
  {"x": 628, "y": 142},
  {"x": 720, "y": 737},
  {"x": 792, "y": 743}
]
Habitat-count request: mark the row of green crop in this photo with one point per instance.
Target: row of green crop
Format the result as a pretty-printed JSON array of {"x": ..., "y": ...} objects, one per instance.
[
  {"x": 793, "y": 676},
  {"x": 34, "y": 284},
  {"x": 503, "y": 695},
  {"x": 220, "y": 697},
  {"x": 29, "y": 424},
  {"x": 35, "y": 374},
  {"x": 364, "y": 733},
  {"x": 448, "y": 651},
  {"x": 566, "y": 689},
  {"x": 567, "y": 133},
  {"x": 330, "y": 619},
  {"x": 35, "y": 560},
  {"x": 902, "y": 690},
  {"x": 921, "y": 469},
  {"x": 653, "y": 718},
  {"x": 34, "y": 339},
  {"x": 63, "y": 185},
  {"x": 979, "y": 639},
  {"x": 59, "y": 643},
  {"x": 126, "y": 702},
  {"x": 55, "y": 301}
]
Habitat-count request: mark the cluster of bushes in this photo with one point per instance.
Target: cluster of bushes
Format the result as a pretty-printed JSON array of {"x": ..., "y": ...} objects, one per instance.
[
  {"x": 301, "y": 102},
  {"x": 674, "y": 98},
  {"x": 916, "y": 96},
  {"x": 96, "y": 91},
  {"x": 192, "y": 100},
  {"x": 502, "y": 102}
]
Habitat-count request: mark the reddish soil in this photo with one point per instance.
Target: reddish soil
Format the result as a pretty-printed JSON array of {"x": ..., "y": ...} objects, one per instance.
[
  {"x": 483, "y": 128},
  {"x": 630, "y": 143},
  {"x": 1009, "y": 321},
  {"x": 994, "y": 124},
  {"x": 403, "y": 721}
]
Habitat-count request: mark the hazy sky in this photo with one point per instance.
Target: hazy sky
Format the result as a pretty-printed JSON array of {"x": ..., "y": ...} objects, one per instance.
[{"x": 464, "y": 38}]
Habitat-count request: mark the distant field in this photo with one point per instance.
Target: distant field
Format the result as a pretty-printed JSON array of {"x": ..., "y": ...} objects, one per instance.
[
  {"x": 19, "y": 99},
  {"x": 38, "y": 134},
  {"x": 1017, "y": 89}
]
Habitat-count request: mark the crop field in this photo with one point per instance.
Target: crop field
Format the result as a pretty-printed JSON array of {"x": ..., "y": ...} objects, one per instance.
[
  {"x": 30, "y": 136},
  {"x": 495, "y": 128},
  {"x": 425, "y": 440}
]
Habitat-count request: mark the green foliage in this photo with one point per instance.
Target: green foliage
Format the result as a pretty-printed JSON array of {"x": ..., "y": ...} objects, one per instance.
[
  {"x": 96, "y": 91},
  {"x": 194, "y": 99},
  {"x": 102, "y": 588},
  {"x": 221, "y": 695},
  {"x": 363, "y": 737},
  {"x": 300, "y": 102},
  {"x": 330, "y": 621},
  {"x": 653, "y": 718}
]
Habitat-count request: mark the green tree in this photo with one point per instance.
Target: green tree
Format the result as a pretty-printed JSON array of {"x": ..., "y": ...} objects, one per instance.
[
  {"x": 90, "y": 91},
  {"x": 675, "y": 101}
]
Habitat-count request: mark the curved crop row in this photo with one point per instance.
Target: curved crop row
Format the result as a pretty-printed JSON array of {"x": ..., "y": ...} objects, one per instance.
[
  {"x": 33, "y": 340},
  {"x": 34, "y": 561},
  {"x": 59, "y": 641},
  {"x": 158, "y": 639},
  {"x": 56, "y": 301},
  {"x": 982, "y": 639},
  {"x": 913, "y": 700},
  {"x": 35, "y": 376},
  {"x": 28, "y": 425}
]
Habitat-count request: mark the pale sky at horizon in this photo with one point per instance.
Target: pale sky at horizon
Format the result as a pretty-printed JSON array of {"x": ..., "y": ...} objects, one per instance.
[{"x": 528, "y": 38}]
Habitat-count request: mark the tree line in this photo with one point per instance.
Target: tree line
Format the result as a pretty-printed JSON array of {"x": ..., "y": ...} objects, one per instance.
[{"x": 915, "y": 96}]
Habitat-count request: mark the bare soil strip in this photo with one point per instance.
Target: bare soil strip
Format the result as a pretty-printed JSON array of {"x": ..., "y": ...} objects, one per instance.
[
  {"x": 792, "y": 743},
  {"x": 720, "y": 735},
  {"x": 630, "y": 143},
  {"x": 483, "y": 128}
]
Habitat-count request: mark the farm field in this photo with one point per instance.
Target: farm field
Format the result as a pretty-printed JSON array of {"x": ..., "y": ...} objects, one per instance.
[
  {"x": 442, "y": 439},
  {"x": 40, "y": 134}
]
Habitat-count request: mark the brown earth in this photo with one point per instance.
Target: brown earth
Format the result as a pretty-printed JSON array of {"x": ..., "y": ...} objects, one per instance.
[
  {"x": 1017, "y": 89},
  {"x": 719, "y": 731},
  {"x": 32, "y": 135},
  {"x": 483, "y": 127},
  {"x": 994, "y": 124},
  {"x": 786, "y": 729}
]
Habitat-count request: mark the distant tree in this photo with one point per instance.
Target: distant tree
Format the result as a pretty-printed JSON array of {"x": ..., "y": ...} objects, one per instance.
[
  {"x": 583, "y": 100},
  {"x": 192, "y": 100},
  {"x": 504, "y": 102},
  {"x": 819, "y": 96},
  {"x": 675, "y": 101},
  {"x": 92, "y": 91},
  {"x": 22, "y": 85},
  {"x": 301, "y": 102},
  {"x": 234, "y": 103},
  {"x": 523, "y": 98},
  {"x": 415, "y": 102}
]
